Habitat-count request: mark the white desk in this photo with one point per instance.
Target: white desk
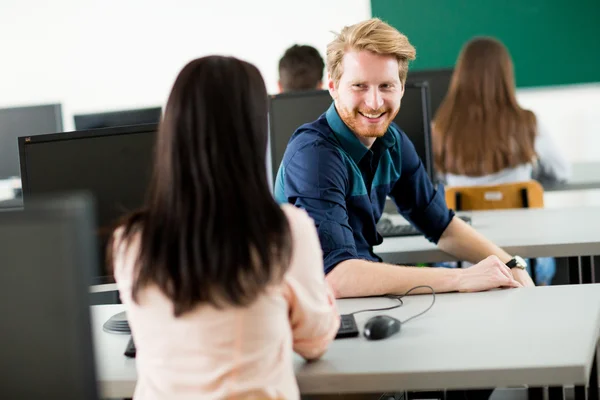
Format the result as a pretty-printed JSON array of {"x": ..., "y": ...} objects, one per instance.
[
  {"x": 496, "y": 339},
  {"x": 116, "y": 373},
  {"x": 526, "y": 232},
  {"x": 584, "y": 176}
]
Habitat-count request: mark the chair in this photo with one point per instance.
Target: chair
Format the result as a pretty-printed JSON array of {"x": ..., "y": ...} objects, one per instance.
[
  {"x": 48, "y": 256},
  {"x": 529, "y": 194}
]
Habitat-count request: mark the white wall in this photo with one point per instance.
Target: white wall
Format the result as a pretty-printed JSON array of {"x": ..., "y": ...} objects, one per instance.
[
  {"x": 572, "y": 115},
  {"x": 97, "y": 55}
]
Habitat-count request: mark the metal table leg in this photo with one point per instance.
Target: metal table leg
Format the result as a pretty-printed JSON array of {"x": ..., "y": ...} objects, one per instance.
[
  {"x": 535, "y": 393},
  {"x": 593, "y": 388},
  {"x": 556, "y": 393},
  {"x": 574, "y": 271},
  {"x": 587, "y": 267}
]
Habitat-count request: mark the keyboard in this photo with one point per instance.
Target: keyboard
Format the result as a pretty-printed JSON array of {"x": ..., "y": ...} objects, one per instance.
[
  {"x": 387, "y": 228},
  {"x": 348, "y": 327}
]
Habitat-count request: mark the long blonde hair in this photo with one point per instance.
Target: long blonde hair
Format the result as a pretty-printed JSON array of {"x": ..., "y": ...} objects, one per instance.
[
  {"x": 479, "y": 128},
  {"x": 372, "y": 35}
]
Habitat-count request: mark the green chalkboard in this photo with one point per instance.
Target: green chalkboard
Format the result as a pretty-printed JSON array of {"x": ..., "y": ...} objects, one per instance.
[{"x": 552, "y": 42}]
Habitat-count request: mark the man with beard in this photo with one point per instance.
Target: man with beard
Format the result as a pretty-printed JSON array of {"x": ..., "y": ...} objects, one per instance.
[{"x": 341, "y": 167}]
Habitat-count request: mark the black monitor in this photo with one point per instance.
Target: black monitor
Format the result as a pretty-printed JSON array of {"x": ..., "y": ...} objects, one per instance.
[
  {"x": 288, "y": 111},
  {"x": 23, "y": 121},
  {"x": 118, "y": 118},
  {"x": 439, "y": 82},
  {"x": 414, "y": 118},
  {"x": 47, "y": 253},
  {"x": 115, "y": 165}
]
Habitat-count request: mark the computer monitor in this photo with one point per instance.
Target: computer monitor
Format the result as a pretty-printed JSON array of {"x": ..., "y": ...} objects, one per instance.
[
  {"x": 439, "y": 82},
  {"x": 47, "y": 253},
  {"x": 23, "y": 121},
  {"x": 114, "y": 164},
  {"x": 288, "y": 111},
  {"x": 118, "y": 118},
  {"x": 414, "y": 118}
]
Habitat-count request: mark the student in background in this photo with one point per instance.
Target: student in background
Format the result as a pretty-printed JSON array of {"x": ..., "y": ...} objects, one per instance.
[
  {"x": 219, "y": 282},
  {"x": 301, "y": 68},
  {"x": 481, "y": 136}
]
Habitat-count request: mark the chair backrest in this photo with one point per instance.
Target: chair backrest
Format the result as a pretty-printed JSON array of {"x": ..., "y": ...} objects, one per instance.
[
  {"x": 528, "y": 194},
  {"x": 48, "y": 255}
]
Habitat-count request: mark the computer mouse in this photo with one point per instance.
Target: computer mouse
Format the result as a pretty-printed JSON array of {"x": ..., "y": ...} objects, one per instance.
[{"x": 381, "y": 327}]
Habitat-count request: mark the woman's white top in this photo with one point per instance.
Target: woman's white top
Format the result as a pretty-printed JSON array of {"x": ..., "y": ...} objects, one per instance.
[{"x": 550, "y": 166}]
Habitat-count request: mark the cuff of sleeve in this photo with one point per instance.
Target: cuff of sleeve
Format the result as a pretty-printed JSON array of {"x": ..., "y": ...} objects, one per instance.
[{"x": 335, "y": 257}]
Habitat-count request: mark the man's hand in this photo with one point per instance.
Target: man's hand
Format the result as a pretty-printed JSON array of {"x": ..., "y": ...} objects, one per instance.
[
  {"x": 521, "y": 276},
  {"x": 488, "y": 274}
]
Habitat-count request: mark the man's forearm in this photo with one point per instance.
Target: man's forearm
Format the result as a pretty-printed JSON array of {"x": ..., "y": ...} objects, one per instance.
[
  {"x": 465, "y": 243},
  {"x": 357, "y": 278}
]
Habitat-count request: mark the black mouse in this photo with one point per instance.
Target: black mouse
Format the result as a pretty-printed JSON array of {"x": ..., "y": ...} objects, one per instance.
[{"x": 381, "y": 327}]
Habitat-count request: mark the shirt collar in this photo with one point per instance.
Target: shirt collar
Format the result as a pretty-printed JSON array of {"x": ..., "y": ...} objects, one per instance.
[{"x": 348, "y": 139}]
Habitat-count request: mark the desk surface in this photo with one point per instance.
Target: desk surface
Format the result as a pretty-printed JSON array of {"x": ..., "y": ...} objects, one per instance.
[
  {"x": 494, "y": 339},
  {"x": 584, "y": 176},
  {"x": 527, "y": 232}
]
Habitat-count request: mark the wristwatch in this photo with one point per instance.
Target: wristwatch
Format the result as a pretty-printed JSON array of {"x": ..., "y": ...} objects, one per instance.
[{"x": 517, "y": 262}]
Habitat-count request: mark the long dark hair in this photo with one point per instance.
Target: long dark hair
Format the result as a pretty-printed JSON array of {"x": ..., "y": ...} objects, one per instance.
[
  {"x": 211, "y": 231},
  {"x": 479, "y": 128}
]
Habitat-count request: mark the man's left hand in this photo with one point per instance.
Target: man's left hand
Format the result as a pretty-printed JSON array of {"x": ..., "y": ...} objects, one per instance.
[{"x": 522, "y": 277}]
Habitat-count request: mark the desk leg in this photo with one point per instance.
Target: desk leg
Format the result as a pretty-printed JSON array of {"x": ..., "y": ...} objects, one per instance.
[
  {"x": 587, "y": 269},
  {"x": 580, "y": 393},
  {"x": 574, "y": 271},
  {"x": 532, "y": 268},
  {"x": 556, "y": 393},
  {"x": 535, "y": 393},
  {"x": 593, "y": 388}
]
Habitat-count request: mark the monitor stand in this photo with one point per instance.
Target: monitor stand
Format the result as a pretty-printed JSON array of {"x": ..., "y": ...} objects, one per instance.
[{"x": 117, "y": 324}]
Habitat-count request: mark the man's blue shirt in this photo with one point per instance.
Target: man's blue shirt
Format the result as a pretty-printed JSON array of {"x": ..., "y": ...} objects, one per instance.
[{"x": 343, "y": 186}]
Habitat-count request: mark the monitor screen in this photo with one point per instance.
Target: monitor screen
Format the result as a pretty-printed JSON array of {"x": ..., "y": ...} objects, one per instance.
[
  {"x": 415, "y": 120},
  {"x": 439, "y": 82},
  {"x": 288, "y": 111},
  {"x": 118, "y": 118},
  {"x": 24, "y": 121},
  {"x": 114, "y": 165}
]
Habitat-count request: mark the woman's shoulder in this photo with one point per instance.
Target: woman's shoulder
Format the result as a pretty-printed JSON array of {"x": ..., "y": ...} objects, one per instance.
[
  {"x": 124, "y": 250},
  {"x": 297, "y": 217}
]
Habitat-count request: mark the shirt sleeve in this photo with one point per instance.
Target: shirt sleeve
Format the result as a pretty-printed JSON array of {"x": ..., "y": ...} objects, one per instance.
[
  {"x": 316, "y": 180},
  {"x": 416, "y": 197},
  {"x": 313, "y": 314},
  {"x": 551, "y": 165}
]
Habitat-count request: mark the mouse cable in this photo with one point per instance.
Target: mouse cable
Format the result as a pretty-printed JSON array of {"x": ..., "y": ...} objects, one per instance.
[
  {"x": 401, "y": 303},
  {"x": 427, "y": 309}
]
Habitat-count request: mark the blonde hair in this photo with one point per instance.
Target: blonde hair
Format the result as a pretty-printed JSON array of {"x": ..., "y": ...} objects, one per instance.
[
  {"x": 479, "y": 128},
  {"x": 372, "y": 35}
]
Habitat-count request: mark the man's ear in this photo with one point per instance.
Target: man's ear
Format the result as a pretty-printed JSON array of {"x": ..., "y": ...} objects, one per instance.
[
  {"x": 331, "y": 87},
  {"x": 279, "y": 86},
  {"x": 402, "y": 87}
]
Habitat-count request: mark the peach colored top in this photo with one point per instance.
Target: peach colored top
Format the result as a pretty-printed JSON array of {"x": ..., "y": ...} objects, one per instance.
[{"x": 243, "y": 353}]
